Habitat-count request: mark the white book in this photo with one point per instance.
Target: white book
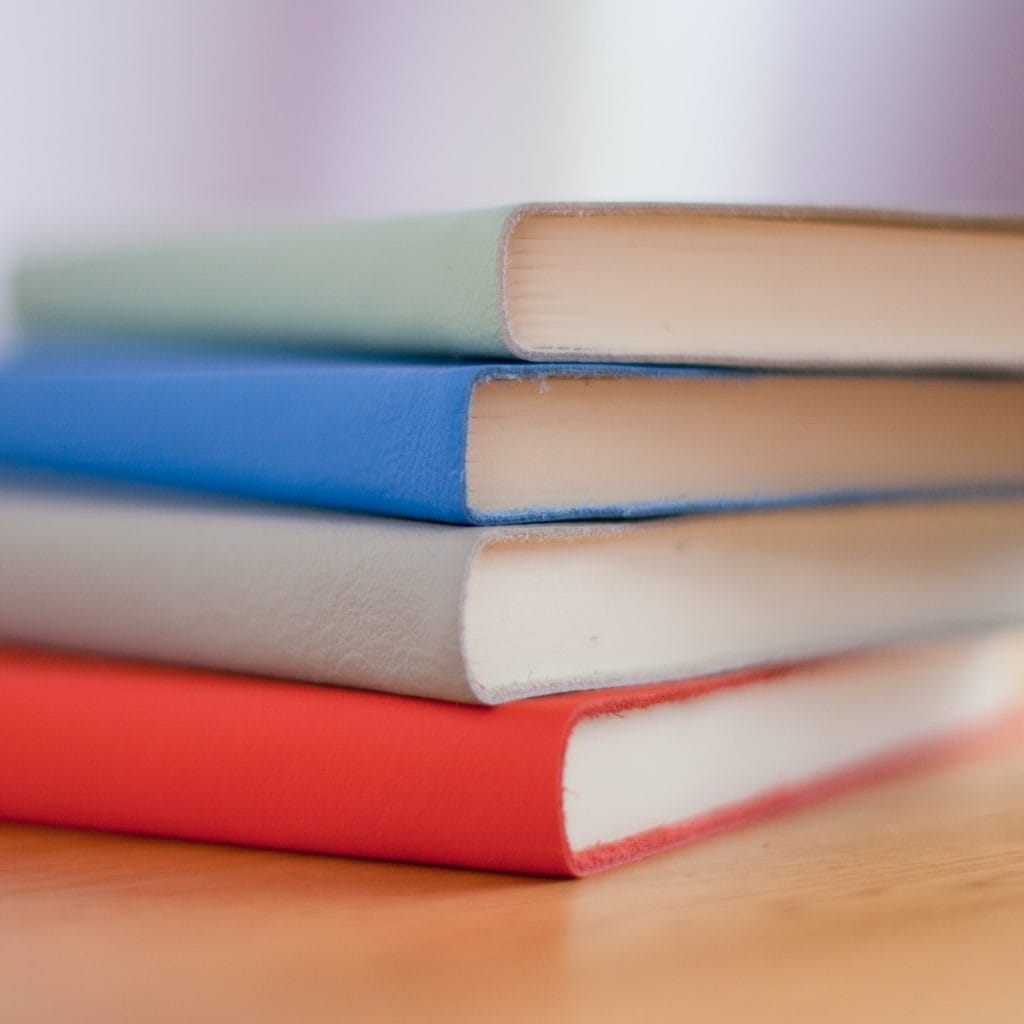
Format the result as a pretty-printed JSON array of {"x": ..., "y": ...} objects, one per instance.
[{"x": 493, "y": 614}]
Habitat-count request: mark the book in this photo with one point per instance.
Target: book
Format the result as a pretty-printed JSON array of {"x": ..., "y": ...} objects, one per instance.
[
  {"x": 604, "y": 283},
  {"x": 494, "y": 613},
  {"x": 502, "y": 442},
  {"x": 557, "y": 786}
]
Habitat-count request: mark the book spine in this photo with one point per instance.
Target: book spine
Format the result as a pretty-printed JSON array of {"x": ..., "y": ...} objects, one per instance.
[
  {"x": 421, "y": 284},
  {"x": 163, "y": 751},
  {"x": 317, "y": 597},
  {"x": 388, "y": 440}
]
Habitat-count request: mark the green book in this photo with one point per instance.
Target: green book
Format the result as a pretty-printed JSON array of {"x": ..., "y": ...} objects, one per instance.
[{"x": 606, "y": 283}]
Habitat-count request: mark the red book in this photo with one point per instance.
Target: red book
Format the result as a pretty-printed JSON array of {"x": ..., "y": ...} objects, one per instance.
[{"x": 562, "y": 785}]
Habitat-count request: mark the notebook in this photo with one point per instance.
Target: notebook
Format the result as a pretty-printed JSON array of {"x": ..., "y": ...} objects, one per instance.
[
  {"x": 503, "y": 442},
  {"x": 563, "y": 785},
  {"x": 496, "y": 613},
  {"x": 572, "y": 282}
]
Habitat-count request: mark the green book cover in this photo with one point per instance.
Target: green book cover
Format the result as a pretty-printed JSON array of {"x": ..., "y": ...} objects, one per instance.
[{"x": 416, "y": 284}]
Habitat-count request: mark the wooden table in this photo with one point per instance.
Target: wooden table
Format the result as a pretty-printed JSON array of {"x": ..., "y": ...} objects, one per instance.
[{"x": 905, "y": 902}]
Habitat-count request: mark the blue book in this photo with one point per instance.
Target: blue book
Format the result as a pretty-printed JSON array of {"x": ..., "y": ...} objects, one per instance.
[{"x": 503, "y": 442}]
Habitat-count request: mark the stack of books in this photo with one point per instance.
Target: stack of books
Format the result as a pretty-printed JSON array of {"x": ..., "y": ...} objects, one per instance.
[{"x": 537, "y": 539}]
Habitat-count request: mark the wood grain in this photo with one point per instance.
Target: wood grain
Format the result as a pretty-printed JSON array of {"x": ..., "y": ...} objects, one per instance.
[{"x": 905, "y": 902}]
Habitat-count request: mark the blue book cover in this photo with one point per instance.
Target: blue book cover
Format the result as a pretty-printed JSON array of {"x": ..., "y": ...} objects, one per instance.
[{"x": 491, "y": 442}]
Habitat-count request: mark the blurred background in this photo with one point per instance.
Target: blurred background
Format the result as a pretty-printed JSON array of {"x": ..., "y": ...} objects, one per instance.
[{"x": 121, "y": 115}]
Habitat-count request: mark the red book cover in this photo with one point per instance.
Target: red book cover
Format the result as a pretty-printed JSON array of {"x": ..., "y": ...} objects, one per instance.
[{"x": 160, "y": 750}]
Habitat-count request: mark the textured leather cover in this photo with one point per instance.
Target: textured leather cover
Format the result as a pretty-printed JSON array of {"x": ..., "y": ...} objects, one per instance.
[
  {"x": 193, "y": 755},
  {"x": 377, "y": 437},
  {"x": 362, "y": 601},
  {"x": 382, "y": 437},
  {"x": 313, "y": 596}
]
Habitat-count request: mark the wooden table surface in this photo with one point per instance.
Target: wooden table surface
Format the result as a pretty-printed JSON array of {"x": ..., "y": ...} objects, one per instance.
[{"x": 904, "y": 902}]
